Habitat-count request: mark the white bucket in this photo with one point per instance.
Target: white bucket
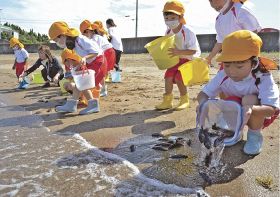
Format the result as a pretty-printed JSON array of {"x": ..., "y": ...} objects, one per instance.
[
  {"x": 84, "y": 80},
  {"x": 28, "y": 79},
  {"x": 116, "y": 76}
]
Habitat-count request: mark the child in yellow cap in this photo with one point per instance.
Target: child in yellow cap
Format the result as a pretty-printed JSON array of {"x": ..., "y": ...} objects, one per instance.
[
  {"x": 90, "y": 30},
  {"x": 186, "y": 47},
  {"x": 73, "y": 61},
  {"x": 21, "y": 56},
  {"x": 246, "y": 79},
  {"x": 233, "y": 16},
  {"x": 100, "y": 29}
]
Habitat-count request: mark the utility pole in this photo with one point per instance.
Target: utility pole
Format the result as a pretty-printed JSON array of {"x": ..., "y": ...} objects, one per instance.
[
  {"x": 136, "y": 20},
  {"x": 1, "y": 16}
]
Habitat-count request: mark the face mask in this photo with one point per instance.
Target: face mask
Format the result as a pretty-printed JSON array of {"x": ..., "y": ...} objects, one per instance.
[
  {"x": 15, "y": 48},
  {"x": 70, "y": 44},
  {"x": 225, "y": 6},
  {"x": 61, "y": 42},
  {"x": 60, "y": 45},
  {"x": 172, "y": 24}
]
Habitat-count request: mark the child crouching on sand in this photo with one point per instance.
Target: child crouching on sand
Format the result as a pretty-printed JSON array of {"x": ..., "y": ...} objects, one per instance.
[
  {"x": 91, "y": 55},
  {"x": 246, "y": 79},
  {"x": 73, "y": 61}
]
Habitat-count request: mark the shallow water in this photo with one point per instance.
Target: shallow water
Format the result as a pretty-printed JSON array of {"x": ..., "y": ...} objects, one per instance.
[{"x": 36, "y": 162}]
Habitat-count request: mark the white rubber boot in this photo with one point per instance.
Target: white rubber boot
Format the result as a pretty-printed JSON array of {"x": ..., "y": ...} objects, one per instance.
[
  {"x": 69, "y": 107},
  {"x": 93, "y": 107}
]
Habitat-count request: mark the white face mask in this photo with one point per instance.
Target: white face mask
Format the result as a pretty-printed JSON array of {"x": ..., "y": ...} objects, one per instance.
[
  {"x": 61, "y": 45},
  {"x": 225, "y": 6},
  {"x": 15, "y": 48},
  {"x": 172, "y": 24},
  {"x": 61, "y": 42}
]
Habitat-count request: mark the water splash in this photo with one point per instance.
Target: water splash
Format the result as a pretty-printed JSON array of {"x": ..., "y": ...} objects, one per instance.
[{"x": 211, "y": 151}]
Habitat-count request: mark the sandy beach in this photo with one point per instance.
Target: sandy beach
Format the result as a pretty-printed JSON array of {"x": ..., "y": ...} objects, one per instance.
[{"x": 127, "y": 118}]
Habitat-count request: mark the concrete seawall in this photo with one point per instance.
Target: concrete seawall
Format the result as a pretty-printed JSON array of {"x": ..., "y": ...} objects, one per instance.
[{"x": 136, "y": 45}]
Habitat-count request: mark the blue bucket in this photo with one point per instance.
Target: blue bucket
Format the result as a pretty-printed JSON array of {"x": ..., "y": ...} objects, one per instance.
[{"x": 116, "y": 76}]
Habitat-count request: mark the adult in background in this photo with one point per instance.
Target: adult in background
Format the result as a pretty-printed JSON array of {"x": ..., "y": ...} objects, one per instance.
[
  {"x": 116, "y": 41},
  {"x": 52, "y": 71}
]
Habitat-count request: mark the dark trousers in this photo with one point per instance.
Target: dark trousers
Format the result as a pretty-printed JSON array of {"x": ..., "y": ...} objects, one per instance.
[
  {"x": 52, "y": 72},
  {"x": 118, "y": 56}
]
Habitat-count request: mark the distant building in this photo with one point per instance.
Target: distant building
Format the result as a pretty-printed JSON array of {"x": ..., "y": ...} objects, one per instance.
[
  {"x": 269, "y": 30},
  {"x": 8, "y": 30}
]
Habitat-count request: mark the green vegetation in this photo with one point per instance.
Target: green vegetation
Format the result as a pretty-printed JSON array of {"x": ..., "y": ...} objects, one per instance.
[{"x": 25, "y": 37}]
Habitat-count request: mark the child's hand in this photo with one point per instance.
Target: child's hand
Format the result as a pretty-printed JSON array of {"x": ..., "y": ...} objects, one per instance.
[
  {"x": 55, "y": 78},
  {"x": 173, "y": 52},
  {"x": 14, "y": 67},
  {"x": 83, "y": 61},
  {"x": 209, "y": 60},
  {"x": 23, "y": 75}
]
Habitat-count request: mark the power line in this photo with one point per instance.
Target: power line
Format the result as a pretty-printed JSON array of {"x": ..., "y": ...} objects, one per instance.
[{"x": 36, "y": 20}]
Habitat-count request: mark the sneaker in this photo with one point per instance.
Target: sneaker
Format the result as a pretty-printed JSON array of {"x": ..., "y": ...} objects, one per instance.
[
  {"x": 254, "y": 143},
  {"x": 46, "y": 85}
]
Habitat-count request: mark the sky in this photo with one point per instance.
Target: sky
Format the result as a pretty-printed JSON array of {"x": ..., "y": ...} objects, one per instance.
[{"x": 40, "y": 14}]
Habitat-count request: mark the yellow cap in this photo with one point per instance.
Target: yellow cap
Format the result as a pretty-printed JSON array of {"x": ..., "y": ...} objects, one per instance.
[
  {"x": 14, "y": 41},
  {"x": 240, "y": 46},
  {"x": 58, "y": 28},
  {"x": 99, "y": 26},
  {"x": 175, "y": 7},
  {"x": 70, "y": 54},
  {"x": 85, "y": 25},
  {"x": 61, "y": 28},
  {"x": 94, "y": 26}
]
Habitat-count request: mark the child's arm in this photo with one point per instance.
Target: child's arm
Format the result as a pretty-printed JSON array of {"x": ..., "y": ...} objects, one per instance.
[
  {"x": 217, "y": 48},
  {"x": 89, "y": 56},
  {"x": 176, "y": 52},
  {"x": 202, "y": 97},
  {"x": 14, "y": 66},
  {"x": 25, "y": 64}
]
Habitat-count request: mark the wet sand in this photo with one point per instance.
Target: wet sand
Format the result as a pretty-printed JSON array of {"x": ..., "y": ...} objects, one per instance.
[{"x": 128, "y": 118}]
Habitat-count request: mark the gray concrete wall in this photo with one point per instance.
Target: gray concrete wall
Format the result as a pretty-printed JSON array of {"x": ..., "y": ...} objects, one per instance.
[
  {"x": 206, "y": 42},
  {"x": 31, "y": 48},
  {"x": 136, "y": 45}
]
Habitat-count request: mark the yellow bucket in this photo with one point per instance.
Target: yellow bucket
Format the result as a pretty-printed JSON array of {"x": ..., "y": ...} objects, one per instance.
[
  {"x": 61, "y": 84},
  {"x": 195, "y": 72},
  {"x": 37, "y": 78},
  {"x": 158, "y": 49}
]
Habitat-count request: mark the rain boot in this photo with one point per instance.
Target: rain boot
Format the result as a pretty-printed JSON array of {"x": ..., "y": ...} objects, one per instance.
[
  {"x": 253, "y": 146},
  {"x": 184, "y": 103},
  {"x": 70, "y": 106},
  {"x": 103, "y": 91},
  {"x": 166, "y": 103},
  {"x": 107, "y": 78},
  {"x": 93, "y": 107}
]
